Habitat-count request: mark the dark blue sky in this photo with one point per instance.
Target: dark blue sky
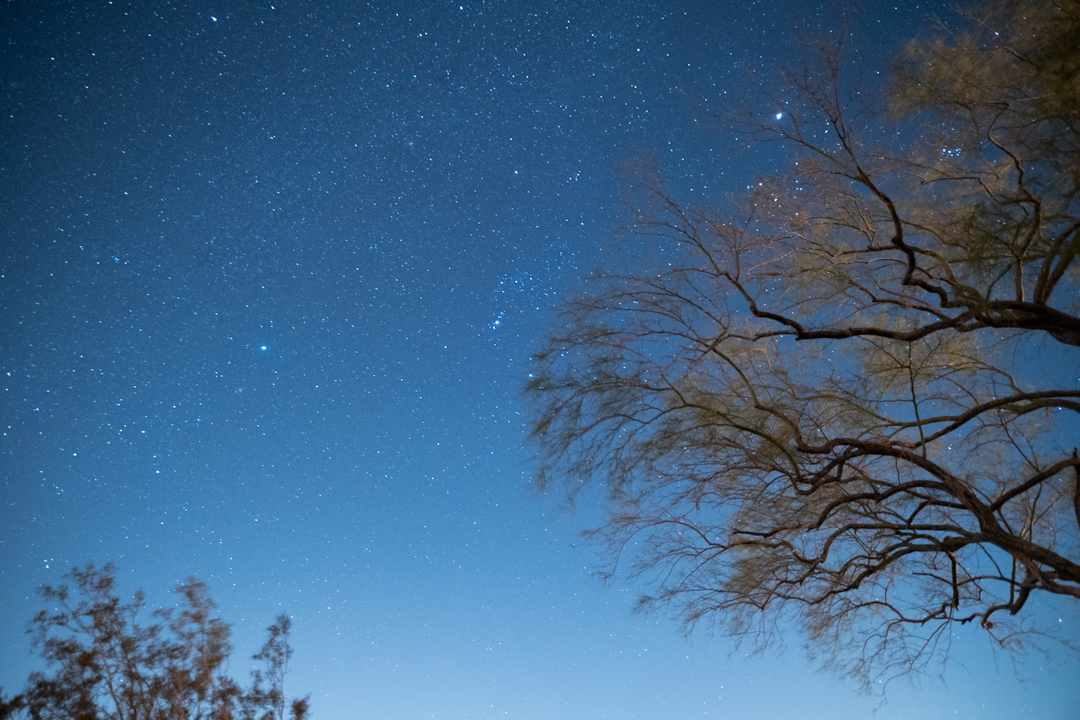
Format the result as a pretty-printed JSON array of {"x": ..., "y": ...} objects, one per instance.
[{"x": 271, "y": 275}]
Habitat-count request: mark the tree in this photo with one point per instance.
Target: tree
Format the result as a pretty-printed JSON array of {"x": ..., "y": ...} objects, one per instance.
[
  {"x": 9, "y": 708},
  {"x": 105, "y": 665},
  {"x": 268, "y": 703},
  {"x": 849, "y": 400}
]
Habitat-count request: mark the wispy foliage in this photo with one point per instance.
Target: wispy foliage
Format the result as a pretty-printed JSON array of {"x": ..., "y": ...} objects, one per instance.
[
  {"x": 104, "y": 664},
  {"x": 841, "y": 408}
]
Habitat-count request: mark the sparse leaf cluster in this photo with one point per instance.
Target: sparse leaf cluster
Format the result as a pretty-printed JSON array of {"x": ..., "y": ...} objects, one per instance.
[{"x": 105, "y": 665}]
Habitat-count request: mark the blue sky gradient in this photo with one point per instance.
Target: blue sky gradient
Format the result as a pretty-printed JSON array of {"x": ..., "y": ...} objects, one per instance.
[{"x": 271, "y": 274}]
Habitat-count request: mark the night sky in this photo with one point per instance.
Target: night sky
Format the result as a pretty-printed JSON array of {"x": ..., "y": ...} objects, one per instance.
[{"x": 270, "y": 276}]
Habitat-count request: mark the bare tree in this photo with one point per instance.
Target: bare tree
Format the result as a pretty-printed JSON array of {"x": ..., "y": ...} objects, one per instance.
[{"x": 851, "y": 399}]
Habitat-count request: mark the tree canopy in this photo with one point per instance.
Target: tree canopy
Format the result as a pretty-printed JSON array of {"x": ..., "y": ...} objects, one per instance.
[
  {"x": 105, "y": 665},
  {"x": 850, "y": 400}
]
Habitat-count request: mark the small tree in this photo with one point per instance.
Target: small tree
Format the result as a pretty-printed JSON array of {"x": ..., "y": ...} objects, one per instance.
[
  {"x": 105, "y": 665},
  {"x": 840, "y": 403},
  {"x": 266, "y": 700}
]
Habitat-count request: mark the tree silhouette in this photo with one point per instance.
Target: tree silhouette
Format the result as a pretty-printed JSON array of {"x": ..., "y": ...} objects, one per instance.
[
  {"x": 846, "y": 399},
  {"x": 103, "y": 664},
  {"x": 266, "y": 700}
]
